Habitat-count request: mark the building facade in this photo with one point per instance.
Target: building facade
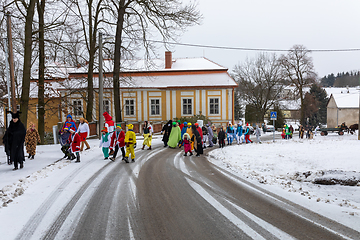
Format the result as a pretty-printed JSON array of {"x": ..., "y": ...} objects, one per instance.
[
  {"x": 173, "y": 89},
  {"x": 342, "y": 108}
]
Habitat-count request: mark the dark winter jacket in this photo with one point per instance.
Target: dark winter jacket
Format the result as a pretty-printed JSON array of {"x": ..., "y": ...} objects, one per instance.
[
  {"x": 64, "y": 138},
  {"x": 197, "y": 140},
  {"x": 221, "y": 135},
  {"x": 166, "y": 130},
  {"x": 15, "y": 138}
]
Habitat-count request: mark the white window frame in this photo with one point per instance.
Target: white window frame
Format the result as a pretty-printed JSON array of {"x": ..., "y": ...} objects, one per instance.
[
  {"x": 192, "y": 106},
  {"x": 109, "y": 105},
  {"x": 129, "y": 99},
  {"x": 150, "y": 110},
  {"x": 219, "y": 104},
  {"x": 81, "y": 109}
]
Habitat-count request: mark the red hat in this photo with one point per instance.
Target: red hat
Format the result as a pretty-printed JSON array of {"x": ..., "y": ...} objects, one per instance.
[
  {"x": 104, "y": 129},
  {"x": 107, "y": 116},
  {"x": 72, "y": 129},
  {"x": 247, "y": 124},
  {"x": 196, "y": 124}
]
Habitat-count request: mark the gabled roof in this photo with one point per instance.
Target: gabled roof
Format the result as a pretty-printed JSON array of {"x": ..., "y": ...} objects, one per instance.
[
  {"x": 346, "y": 100},
  {"x": 158, "y": 65}
]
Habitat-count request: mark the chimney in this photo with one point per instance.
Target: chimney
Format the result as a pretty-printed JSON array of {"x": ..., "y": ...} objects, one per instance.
[{"x": 168, "y": 60}]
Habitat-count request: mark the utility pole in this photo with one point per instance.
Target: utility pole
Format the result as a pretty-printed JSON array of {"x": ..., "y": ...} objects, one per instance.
[
  {"x": 8, "y": 116},
  {"x": 11, "y": 63},
  {"x": 101, "y": 86}
]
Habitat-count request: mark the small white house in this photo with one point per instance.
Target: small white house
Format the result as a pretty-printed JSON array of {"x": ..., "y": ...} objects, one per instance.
[{"x": 343, "y": 107}]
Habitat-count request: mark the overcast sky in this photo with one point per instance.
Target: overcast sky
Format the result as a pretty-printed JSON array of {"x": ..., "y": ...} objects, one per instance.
[{"x": 276, "y": 24}]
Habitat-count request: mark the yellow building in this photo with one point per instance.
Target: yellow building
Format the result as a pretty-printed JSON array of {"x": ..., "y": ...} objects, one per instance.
[{"x": 164, "y": 90}]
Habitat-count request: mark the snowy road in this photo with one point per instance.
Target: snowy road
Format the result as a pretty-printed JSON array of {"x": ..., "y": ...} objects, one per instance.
[{"x": 163, "y": 195}]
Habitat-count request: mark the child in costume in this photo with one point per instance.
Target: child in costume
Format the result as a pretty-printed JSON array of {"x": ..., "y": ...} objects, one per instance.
[
  {"x": 84, "y": 132},
  {"x": 239, "y": 133},
  {"x": 75, "y": 141},
  {"x": 110, "y": 125},
  {"x": 70, "y": 123},
  {"x": 247, "y": 134},
  {"x": 230, "y": 134},
  {"x": 148, "y": 132},
  {"x": 105, "y": 142},
  {"x": 189, "y": 131},
  {"x": 130, "y": 142},
  {"x": 221, "y": 137},
  {"x": 65, "y": 143},
  {"x": 187, "y": 144},
  {"x": 118, "y": 141}
]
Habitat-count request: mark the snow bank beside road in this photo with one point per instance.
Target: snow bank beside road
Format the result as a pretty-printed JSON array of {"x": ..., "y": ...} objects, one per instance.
[{"x": 290, "y": 168}]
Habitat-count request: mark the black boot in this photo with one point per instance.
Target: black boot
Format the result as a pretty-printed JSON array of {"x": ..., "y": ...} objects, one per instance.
[
  {"x": 191, "y": 154},
  {"x": 77, "y": 158},
  {"x": 143, "y": 147},
  {"x": 186, "y": 154},
  {"x": 126, "y": 159},
  {"x": 32, "y": 157},
  {"x": 29, "y": 156},
  {"x": 21, "y": 165}
]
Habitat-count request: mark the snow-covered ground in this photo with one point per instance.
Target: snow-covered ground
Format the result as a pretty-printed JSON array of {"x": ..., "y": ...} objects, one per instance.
[
  {"x": 286, "y": 167},
  {"x": 290, "y": 167}
]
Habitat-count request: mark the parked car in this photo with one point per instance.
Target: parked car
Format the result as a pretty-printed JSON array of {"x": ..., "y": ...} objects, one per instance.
[{"x": 269, "y": 128}]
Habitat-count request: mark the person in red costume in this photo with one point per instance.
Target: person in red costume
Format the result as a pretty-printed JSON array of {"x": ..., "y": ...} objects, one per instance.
[
  {"x": 75, "y": 141},
  {"x": 117, "y": 141},
  {"x": 110, "y": 125}
]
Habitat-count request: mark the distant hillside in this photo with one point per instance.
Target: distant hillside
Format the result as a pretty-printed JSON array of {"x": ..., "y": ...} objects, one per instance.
[{"x": 348, "y": 79}]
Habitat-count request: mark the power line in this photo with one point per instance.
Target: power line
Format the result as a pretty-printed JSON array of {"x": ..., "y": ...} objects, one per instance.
[{"x": 244, "y": 48}]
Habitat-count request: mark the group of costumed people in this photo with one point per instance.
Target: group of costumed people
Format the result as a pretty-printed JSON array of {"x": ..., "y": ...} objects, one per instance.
[
  {"x": 191, "y": 136},
  {"x": 114, "y": 138},
  {"x": 16, "y": 136},
  {"x": 287, "y": 132},
  {"x": 238, "y": 133}
]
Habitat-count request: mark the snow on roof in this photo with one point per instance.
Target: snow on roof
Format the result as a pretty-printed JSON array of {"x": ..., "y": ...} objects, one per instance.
[
  {"x": 290, "y": 104},
  {"x": 191, "y": 80},
  {"x": 178, "y": 64},
  {"x": 221, "y": 79},
  {"x": 346, "y": 100},
  {"x": 54, "y": 70},
  {"x": 338, "y": 90},
  {"x": 50, "y": 90}
]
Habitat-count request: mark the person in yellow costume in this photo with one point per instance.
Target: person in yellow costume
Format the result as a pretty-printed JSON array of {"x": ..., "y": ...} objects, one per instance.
[
  {"x": 130, "y": 143},
  {"x": 189, "y": 131}
]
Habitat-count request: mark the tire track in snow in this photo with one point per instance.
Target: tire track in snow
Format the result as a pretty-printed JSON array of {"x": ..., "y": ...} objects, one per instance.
[{"x": 34, "y": 221}]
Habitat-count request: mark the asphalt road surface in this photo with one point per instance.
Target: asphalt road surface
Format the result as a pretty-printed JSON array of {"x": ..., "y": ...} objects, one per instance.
[{"x": 165, "y": 195}]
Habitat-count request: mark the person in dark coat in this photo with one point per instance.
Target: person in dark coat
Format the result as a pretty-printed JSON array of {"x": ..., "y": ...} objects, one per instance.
[
  {"x": 166, "y": 130},
  {"x": 15, "y": 140},
  {"x": 7, "y": 148},
  {"x": 197, "y": 140},
  {"x": 221, "y": 137}
]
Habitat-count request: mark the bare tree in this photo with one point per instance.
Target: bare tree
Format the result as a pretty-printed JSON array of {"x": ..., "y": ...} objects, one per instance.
[
  {"x": 299, "y": 70},
  {"x": 260, "y": 82},
  {"x": 25, "y": 91},
  {"x": 136, "y": 19}
]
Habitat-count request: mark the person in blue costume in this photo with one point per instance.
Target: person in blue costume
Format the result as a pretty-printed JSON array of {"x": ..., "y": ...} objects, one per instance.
[
  {"x": 183, "y": 131},
  {"x": 69, "y": 123},
  {"x": 230, "y": 134},
  {"x": 239, "y": 133}
]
